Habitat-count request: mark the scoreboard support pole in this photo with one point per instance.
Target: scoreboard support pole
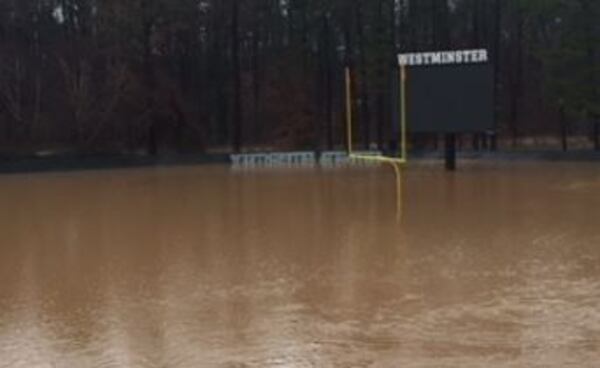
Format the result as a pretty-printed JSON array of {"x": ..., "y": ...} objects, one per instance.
[
  {"x": 450, "y": 148},
  {"x": 597, "y": 132}
]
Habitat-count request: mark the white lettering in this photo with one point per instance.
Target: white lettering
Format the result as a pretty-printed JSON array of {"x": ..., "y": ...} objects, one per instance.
[
  {"x": 403, "y": 59},
  {"x": 470, "y": 56},
  {"x": 419, "y": 59},
  {"x": 451, "y": 57},
  {"x": 236, "y": 159},
  {"x": 444, "y": 57},
  {"x": 475, "y": 56},
  {"x": 483, "y": 56},
  {"x": 459, "y": 57}
]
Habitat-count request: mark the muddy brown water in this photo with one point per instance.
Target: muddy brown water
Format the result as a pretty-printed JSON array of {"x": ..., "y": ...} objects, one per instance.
[{"x": 497, "y": 265}]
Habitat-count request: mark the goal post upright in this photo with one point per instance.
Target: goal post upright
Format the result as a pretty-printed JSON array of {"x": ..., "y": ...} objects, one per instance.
[
  {"x": 403, "y": 123},
  {"x": 397, "y": 163}
]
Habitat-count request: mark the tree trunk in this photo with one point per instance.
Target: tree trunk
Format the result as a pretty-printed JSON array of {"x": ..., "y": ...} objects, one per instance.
[
  {"x": 475, "y": 24},
  {"x": 517, "y": 82},
  {"x": 597, "y": 135},
  {"x": 381, "y": 67},
  {"x": 256, "y": 78},
  {"x": 150, "y": 82},
  {"x": 328, "y": 86},
  {"x": 319, "y": 106},
  {"x": 365, "y": 113},
  {"x": 496, "y": 56},
  {"x": 237, "y": 78},
  {"x": 217, "y": 77},
  {"x": 564, "y": 133}
]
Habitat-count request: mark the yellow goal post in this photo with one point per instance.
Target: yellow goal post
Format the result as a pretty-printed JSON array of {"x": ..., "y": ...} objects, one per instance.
[{"x": 403, "y": 159}]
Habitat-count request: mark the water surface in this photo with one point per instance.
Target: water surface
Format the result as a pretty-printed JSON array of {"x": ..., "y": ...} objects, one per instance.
[{"x": 497, "y": 265}]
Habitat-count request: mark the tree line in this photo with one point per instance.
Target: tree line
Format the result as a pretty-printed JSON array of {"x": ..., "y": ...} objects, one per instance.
[{"x": 146, "y": 76}]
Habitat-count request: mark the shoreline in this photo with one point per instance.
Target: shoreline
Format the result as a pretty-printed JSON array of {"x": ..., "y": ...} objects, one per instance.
[
  {"x": 74, "y": 163},
  {"x": 529, "y": 155}
]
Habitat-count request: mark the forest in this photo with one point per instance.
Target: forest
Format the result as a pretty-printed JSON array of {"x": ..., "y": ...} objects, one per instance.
[{"x": 161, "y": 76}]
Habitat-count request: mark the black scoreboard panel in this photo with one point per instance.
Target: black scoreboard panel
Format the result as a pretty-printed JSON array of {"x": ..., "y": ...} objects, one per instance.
[{"x": 450, "y": 98}]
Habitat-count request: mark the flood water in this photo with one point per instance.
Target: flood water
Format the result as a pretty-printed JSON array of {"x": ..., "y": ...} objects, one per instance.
[{"x": 496, "y": 265}]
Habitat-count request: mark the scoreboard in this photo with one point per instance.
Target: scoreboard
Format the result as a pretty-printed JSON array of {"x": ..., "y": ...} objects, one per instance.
[{"x": 449, "y": 91}]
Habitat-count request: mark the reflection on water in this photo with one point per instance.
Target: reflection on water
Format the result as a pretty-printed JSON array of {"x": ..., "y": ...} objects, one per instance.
[{"x": 493, "y": 266}]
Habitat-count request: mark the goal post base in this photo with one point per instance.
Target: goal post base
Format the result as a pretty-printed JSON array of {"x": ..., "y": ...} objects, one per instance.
[{"x": 383, "y": 159}]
